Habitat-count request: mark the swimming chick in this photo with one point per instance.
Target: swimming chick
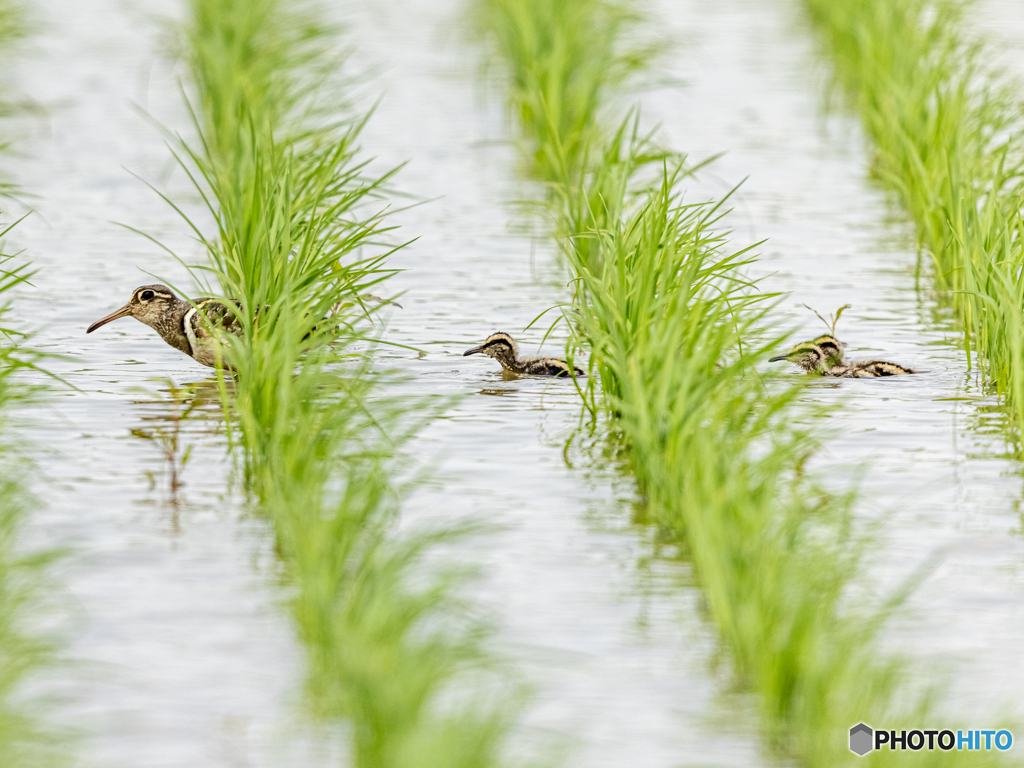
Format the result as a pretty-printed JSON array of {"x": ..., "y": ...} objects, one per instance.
[
  {"x": 824, "y": 356},
  {"x": 504, "y": 349},
  {"x": 817, "y": 355}
]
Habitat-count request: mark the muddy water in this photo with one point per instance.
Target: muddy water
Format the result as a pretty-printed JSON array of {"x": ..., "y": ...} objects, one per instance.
[{"x": 930, "y": 443}]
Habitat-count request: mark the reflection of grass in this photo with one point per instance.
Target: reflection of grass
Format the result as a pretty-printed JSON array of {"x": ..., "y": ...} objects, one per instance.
[
  {"x": 297, "y": 241},
  {"x": 165, "y": 431},
  {"x": 675, "y": 331},
  {"x": 948, "y": 135}
]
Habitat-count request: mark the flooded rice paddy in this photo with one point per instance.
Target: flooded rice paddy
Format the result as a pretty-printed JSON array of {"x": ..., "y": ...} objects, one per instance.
[
  {"x": 182, "y": 650},
  {"x": 930, "y": 444}
]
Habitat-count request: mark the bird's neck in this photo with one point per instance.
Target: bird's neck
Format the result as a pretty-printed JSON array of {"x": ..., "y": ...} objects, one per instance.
[
  {"x": 169, "y": 326},
  {"x": 511, "y": 362}
]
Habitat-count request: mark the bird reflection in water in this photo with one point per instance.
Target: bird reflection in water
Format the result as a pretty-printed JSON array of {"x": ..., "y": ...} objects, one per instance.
[{"x": 165, "y": 411}]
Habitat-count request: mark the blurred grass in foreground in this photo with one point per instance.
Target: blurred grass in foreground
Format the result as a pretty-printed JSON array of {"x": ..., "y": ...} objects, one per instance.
[
  {"x": 27, "y": 740},
  {"x": 300, "y": 241},
  {"x": 674, "y": 331},
  {"x": 948, "y": 130}
]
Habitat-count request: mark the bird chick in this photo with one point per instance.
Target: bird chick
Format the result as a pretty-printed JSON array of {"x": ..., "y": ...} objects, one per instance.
[
  {"x": 504, "y": 349},
  {"x": 824, "y": 356},
  {"x": 815, "y": 356}
]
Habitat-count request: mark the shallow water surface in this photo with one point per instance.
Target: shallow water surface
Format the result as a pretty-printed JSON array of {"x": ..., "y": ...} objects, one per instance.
[
  {"x": 930, "y": 443},
  {"x": 1002, "y": 24},
  {"x": 185, "y": 653},
  {"x": 181, "y": 653},
  {"x": 609, "y": 639}
]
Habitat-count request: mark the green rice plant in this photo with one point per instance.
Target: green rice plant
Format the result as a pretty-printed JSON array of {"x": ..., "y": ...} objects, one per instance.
[
  {"x": 181, "y": 404},
  {"x": 675, "y": 330},
  {"x": 299, "y": 243},
  {"x": 947, "y": 128},
  {"x": 675, "y": 333},
  {"x": 559, "y": 82}
]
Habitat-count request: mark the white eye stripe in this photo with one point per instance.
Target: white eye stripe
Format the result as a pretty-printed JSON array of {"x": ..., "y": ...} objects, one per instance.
[{"x": 141, "y": 295}]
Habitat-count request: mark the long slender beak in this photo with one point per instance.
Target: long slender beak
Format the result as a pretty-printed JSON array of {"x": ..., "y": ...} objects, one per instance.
[
  {"x": 124, "y": 311},
  {"x": 777, "y": 358},
  {"x": 473, "y": 351}
]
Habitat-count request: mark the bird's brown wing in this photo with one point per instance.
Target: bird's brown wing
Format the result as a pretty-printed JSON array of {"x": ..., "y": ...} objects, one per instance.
[
  {"x": 214, "y": 314},
  {"x": 870, "y": 368},
  {"x": 550, "y": 366}
]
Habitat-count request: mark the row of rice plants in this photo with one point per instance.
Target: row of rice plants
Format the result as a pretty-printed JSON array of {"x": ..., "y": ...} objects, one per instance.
[
  {"x": 948, "y": 132},
  {"x": 297, "y": 236},
  {"x": 674, "y": 330},
  {"x": 26, "y": 738}
]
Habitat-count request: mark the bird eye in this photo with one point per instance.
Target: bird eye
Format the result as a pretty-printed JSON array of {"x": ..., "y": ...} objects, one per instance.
[{"x": 147, "y": 295}]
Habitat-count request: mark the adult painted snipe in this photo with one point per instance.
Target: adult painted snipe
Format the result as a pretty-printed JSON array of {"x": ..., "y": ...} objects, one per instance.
[{"x": 186, "y": 326}]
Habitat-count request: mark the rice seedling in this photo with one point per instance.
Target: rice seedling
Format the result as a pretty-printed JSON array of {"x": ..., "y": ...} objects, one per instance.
[
  {"x": 946, "y": 127},
  {"x": 674, "y": 331},
  {"x": 298, "y": 244},
  {"x": 558, "y": 83}
]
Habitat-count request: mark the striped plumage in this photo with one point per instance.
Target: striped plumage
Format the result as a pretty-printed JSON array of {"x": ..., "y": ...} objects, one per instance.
[
  {"x": 824, "y": 356},
  {"x": 868, "y": 369},
  {"x": 818, "y": 355},
  {"x": 186, "y": 326},
  {"x": 504, "y": 349}
]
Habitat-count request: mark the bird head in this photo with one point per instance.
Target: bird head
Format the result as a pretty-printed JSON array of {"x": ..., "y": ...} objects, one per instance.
[
  {"x": 807, "y": 355},
  {"x": 832, "y": 347},
  {"x": 147, "y": 305},
  {"x": 498, "y": 345}
]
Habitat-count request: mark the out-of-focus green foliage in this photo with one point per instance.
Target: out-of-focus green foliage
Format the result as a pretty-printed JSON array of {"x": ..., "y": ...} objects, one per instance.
[{"x": 26, "y": 739}]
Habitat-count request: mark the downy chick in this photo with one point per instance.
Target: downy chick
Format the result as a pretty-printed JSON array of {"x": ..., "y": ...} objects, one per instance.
[
  {"x": 824, "y": 356},
  {"x": 504, "y": 349}
]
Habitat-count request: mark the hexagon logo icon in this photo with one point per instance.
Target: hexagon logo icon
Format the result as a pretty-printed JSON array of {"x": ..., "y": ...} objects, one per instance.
[{"x": 861, "y": 739}]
